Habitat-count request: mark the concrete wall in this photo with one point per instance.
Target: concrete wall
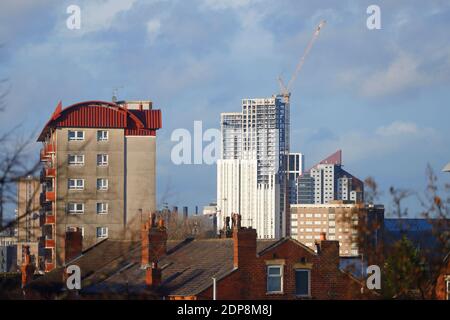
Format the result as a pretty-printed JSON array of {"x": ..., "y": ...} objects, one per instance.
[
  {"x": 28, "y": 191},
  {"x": 114, "y": 196},
  {"x": 140, "y": 164}
]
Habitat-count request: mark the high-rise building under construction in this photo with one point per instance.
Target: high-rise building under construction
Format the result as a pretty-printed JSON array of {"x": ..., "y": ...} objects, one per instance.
[{"x": 251, "y": 174}]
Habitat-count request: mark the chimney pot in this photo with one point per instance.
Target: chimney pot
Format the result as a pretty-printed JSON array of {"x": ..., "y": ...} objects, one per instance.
[
  {"x": 27, "y": 268},
  {"x": 323, "y": 236}
]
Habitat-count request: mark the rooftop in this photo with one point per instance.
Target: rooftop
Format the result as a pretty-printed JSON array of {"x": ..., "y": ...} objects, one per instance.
[{"x": 115, "y": 267}]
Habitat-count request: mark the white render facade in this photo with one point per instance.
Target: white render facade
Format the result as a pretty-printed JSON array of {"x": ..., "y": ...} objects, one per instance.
[{"x": 251, "y": 174}]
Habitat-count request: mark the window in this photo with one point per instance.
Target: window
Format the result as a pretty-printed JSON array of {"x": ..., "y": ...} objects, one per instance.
[
  {"x": 102, "y": 135},
  {"x": 75, "y": 208},
  {"x": 102, "y": 184},
  {"x": 302, "y": 282},
  {"x": 102, "y": 232},
  {"x": 102, "y": 207},
  {"x": 75, "y": 135},
  {"x": 76, "y": 160},
  {"x": 102, "y": 159},
  {"x": 274, "y": 279},
  {"x": 76, "y": 184}
]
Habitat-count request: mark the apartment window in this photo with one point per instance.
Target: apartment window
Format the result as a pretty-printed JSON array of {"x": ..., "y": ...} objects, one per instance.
[
  {"x": 302, "y": 282},
  {"x": 274, "y": 279},
  {"x": 102, "y": 207},
  {"x": 102, "y": 184},
  {"x": 102, "y": 232},
  {"x": 102, "y": 135},
  {"x": 76, "y": 160},
  {"x": 102, "y": 159},
  {"x": 75, "y": 208},
  {"x": 75, "y": 135},
  {"x": 76, "y": 184}
]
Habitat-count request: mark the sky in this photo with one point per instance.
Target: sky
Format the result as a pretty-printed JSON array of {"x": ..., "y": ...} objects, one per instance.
[{"x": 382, "y": 96}]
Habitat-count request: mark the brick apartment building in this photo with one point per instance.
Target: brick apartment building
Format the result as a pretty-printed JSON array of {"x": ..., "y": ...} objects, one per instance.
[
  {"x": 98, "y": 175},
  {"x": 339, "y": 220},
  {"x": 244, "y": 268}
]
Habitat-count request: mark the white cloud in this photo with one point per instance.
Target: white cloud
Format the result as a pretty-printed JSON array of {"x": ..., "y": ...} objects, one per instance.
[
  {"x": 226, "y": 4},
  {"x": 101, "y": 14},
  {"x": 384, "y": 141},
  {"x": 397, "y": 128},
  {"x": 400, "y": 75},
  {"x": 153, "y": 29}
]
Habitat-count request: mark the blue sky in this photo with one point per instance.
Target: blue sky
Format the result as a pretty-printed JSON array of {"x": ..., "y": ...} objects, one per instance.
[{"x": 382, "y": 96}]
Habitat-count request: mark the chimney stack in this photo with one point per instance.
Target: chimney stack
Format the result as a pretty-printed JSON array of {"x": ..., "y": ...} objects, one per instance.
[
  {"x": 73, "y": 244},
  {"x": 154, "y": 241},
  {"x": 329, "y": 250},
  {"x": 244, "y": 243},
  {"x": 27, "y": 268}
]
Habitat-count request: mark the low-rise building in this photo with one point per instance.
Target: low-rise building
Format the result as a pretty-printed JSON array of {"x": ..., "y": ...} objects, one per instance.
[{"x": 242, "y": 266}]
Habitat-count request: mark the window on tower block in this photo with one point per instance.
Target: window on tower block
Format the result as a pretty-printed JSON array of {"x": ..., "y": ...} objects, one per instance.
[
  {"x": 76, "y": 184},
  {"x": 102, "y": 159},
  {"x": 102, "y": 207},
  {"x": 102, "y": 184},
  {"x": 75, "y": 208},
  {"x": 102, "y": 232},
  {"x": 76, "y": 160},
  {"x": 75, "y": 135},
  {"x": 102, "y": 135}
]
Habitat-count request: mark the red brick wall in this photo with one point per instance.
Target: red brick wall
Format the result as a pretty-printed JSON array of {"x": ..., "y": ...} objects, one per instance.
[
  {"x": 327, "y": 281},
  {"x": 154, "y": 242},
  {"x": 73, "y": 244}
]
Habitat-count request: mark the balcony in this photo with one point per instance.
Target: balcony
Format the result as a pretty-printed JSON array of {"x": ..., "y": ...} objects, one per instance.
[
  {"x": 49, "y": 243},
  {"x": 50, "y": 196},
  {"x": 47, "y": 173},
  {"x": 44, "y": 156},
  {"x": 48, "y": 149},
  {"x": 49, "y": 219},
  {"x": 47, "y": 196}
]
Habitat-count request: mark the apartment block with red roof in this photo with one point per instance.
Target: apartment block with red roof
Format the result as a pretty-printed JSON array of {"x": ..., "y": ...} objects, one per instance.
[{"x": 98, "y": 173}]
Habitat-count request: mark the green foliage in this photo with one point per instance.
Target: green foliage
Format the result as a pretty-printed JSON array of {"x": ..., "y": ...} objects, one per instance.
[{"x": 404, "y": 271}]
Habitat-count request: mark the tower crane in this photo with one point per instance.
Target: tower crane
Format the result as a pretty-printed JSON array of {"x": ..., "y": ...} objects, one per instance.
[{"x": 285, "y": 89}]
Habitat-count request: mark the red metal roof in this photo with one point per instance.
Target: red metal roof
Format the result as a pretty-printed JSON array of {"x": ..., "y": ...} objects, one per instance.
[
  {"x": 335, "y": 158},
  {"x": 102, "y": 114}
]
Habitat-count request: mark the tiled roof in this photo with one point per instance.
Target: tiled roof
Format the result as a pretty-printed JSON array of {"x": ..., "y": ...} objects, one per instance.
[{"x": 115, "y": 267}]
